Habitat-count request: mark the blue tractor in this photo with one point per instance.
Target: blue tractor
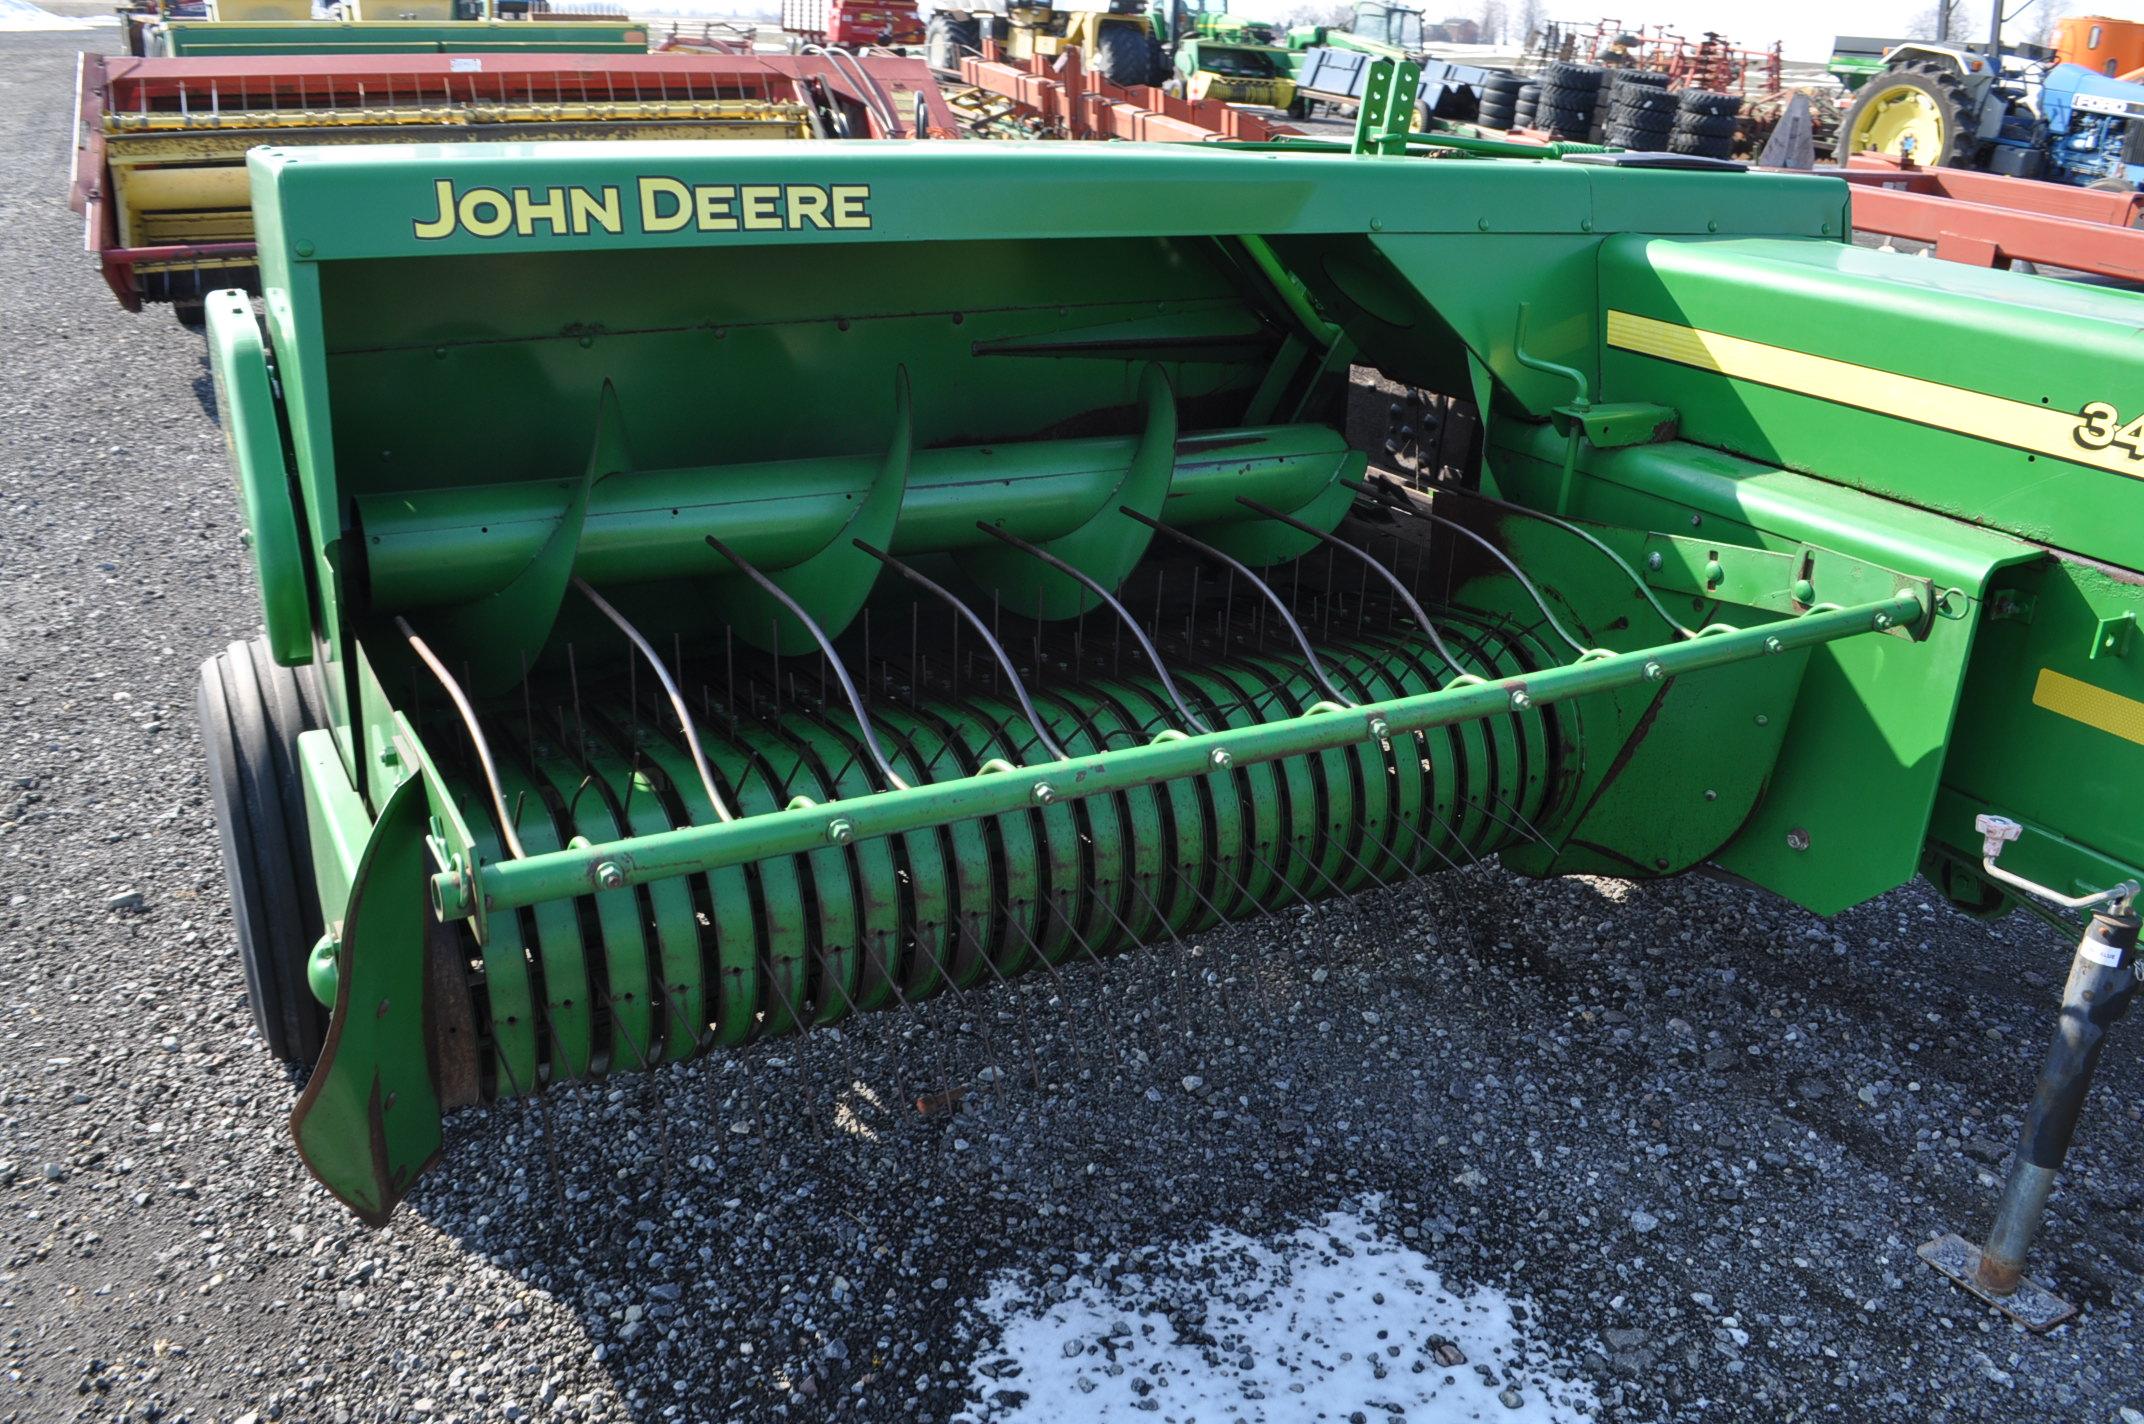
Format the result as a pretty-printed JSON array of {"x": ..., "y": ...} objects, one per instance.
[{"x": 2016, "y": 111}]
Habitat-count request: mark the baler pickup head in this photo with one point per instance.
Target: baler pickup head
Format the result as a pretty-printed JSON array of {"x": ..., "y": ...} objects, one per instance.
[{"x": 749, "y": 585}]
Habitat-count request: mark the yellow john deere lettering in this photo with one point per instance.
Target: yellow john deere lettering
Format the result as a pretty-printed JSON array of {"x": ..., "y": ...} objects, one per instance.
[{"x": 660, "y": 204}]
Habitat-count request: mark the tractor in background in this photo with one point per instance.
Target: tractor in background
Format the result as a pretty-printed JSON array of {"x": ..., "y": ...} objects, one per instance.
[
  {"x": 2066, "y": 114},
  {"x": 1216, "y": 55},
  {"x": 1115, "y": 38},
  {"x": 1376, "y": 28}
]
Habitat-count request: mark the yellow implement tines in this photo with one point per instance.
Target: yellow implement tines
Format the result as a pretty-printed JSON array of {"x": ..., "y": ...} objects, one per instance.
[{"x": 622, "y": 111}]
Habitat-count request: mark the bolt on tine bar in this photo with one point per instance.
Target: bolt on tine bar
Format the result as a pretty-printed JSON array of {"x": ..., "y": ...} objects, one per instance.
[
  {"x": 1146, "y": 644},
  {"x": 1644, "y": 589},
  {"x": 476, "y": 734},
  {"x": 670, "y": 690},
  {"x": 1495, "y": 553},
  {"x": 982, "y": 629},
  {"x": 1335, "y": 541},
  {"x": 1295, "y": 629},
  {"x": 826, "y": 647}
]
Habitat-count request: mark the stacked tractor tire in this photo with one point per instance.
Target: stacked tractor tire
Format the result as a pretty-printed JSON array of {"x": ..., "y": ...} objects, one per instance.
[
  {"x": 1499, "y": 100},
  {"x": 1528, "y": 105},
  {"x": 1705, "y": 124},
  {"x": 1642, "y": 112},
  {"x": 1569, "y": 96}
]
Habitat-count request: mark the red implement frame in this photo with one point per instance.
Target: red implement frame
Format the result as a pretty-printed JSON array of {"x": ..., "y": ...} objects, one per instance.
[
  {"x": 1078, "y": 103},
  {"x": 1986, "y": 220},
  {"x": 1713, "y": 62},
  {"x": 883, "y": 91}
]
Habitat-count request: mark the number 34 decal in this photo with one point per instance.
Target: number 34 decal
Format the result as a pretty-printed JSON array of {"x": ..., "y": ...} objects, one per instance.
[{"x": 2099, "y": 426}]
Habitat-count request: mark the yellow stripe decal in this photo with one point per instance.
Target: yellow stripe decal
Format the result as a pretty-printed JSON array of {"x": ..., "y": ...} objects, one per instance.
[
  {"x": 2109, "y": 712},
  {"x": 2040, "y": 429}
]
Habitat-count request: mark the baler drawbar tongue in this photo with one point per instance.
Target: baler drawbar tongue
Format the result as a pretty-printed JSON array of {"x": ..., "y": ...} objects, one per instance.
[{"x": 768, "y": 601}]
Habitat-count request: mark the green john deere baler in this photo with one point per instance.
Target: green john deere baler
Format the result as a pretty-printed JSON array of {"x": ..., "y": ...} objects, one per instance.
[{"x": 714, "y": 590}]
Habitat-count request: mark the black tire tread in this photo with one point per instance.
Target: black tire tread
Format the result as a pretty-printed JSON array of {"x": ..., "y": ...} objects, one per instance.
[
  {"x": 1712, "y": 125},
  {"x": 251, "y": 712},
  {"x": 1706, "y": 101},
  {"x": 1960, "y": 144},
  {"x": 947, "y": 40},
  {"x": 1701, "y": 145}
]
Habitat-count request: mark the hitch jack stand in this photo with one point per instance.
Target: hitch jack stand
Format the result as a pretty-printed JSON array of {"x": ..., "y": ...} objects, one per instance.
[{"x": 2101, "y": 983}]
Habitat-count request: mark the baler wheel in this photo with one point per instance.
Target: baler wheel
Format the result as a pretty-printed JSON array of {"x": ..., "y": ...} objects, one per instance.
[
  {"x": 1125, "y": 55},
  {"x": 190, "y": 312},
  {"x": 1926, "y": 107},
  {"x": 251, "y": 712}
]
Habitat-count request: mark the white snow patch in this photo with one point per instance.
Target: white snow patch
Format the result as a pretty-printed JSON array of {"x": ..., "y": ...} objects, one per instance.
[
  {"x": 1337, "y": 1318},
  {"x": 22, "y": 15}
]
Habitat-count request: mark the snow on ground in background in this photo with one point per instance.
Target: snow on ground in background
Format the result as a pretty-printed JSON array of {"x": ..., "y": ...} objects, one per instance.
[
  {"x": 22, "y": 15},
  {"x": 1335, "y": 1319}
]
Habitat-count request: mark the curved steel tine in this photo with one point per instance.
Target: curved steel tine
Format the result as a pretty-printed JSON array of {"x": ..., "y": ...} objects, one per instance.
[
  {"x": 1523, "y": 824},
  {"x": 1495, "y": 553},
  {"x": 1146, "y": 644},
  {"x": 1302, "y": 640},
  {"x": 1516, "y": 572},
  {"x": 1335, "y": 541},
  {"x": 476, "y": 734},
  {"x": 670, "y": 690},
  {"x": 826, "y": 649},
  {"x": 1645, "y": 590},
  {"x": 982, "y": 629}
]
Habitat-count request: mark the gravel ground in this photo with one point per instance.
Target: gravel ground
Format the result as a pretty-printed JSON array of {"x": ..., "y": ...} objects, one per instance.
[{"x": 1698, "y": 1132}]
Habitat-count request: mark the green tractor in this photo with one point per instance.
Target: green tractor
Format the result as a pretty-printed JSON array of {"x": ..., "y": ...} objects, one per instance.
[
  {"x": 1115, "y": 38},
  {"x": 1375, "y": 28},
  {"x": 1216, "y": 55}
]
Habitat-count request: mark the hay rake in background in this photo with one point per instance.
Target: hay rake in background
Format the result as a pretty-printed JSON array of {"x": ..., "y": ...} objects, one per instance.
[{"x": 861, "y": 573}]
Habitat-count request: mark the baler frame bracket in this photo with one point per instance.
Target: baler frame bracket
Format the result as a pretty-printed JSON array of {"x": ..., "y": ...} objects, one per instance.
[{"x": 1785, "y": 581}]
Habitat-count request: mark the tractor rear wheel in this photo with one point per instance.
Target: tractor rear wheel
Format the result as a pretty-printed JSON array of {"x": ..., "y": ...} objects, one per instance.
[
  {"x": 1124, "y": 55},
  {"x": 1921, "y": 111},
  {"x": 251, "y": 712},
  {"x": 946, "y": 41}
]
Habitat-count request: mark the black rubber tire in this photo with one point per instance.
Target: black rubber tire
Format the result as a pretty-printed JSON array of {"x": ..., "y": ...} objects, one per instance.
[
  {"x": 1558, "y": 96},
  {"x": 1705, "y": 101},
  {"x": 1549, "y": 116},
  {"x": 946, "y": 41},
  {"x": 189, "y": 312},
  {"x": 1713, "y": 125},
  {"x": 1495, "y": 116},
  {"x": 1158, "y": 63},
  {"x": 1501, "y": 84},
  {"x": 1640, "y": 99},
  {"x": 1460, "y": 104},
  {"x": 251, "y": 712},
  {"x": 1586, "y": 77},
  {"x": 1642, "y": 79},
  {"x": 1639, "y": 140},
  {"x": 1701, "y": 145},
  {"x": 1652, "y": 121},
  {"x": 1960, "y": 146},
  {"x": 1122, "y": 55}
]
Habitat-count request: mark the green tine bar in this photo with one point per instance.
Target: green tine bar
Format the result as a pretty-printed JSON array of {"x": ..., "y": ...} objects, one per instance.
[{"x": 563, "y": 874}]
